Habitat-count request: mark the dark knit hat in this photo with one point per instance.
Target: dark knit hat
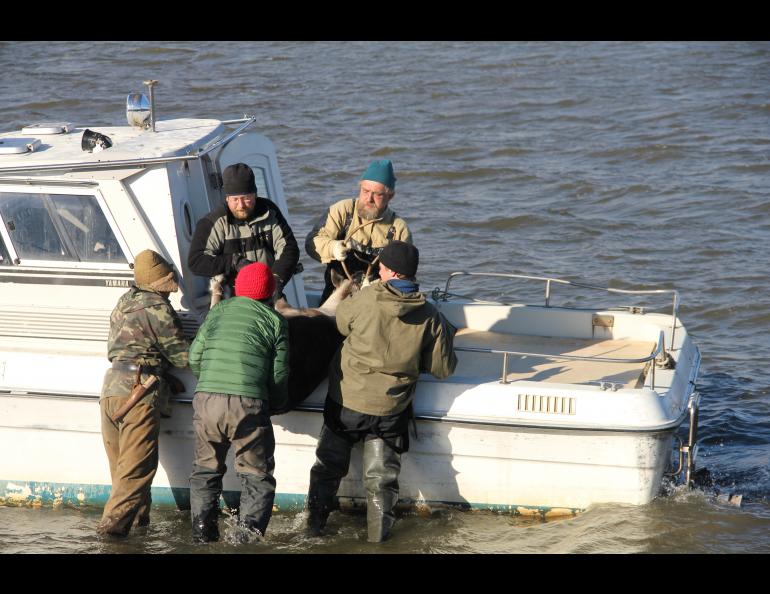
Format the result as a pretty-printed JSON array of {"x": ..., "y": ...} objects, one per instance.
[
  {"x": 238, "y": 179},
  {"x": 401, "y": 257},
  {"x": 255, "y": 281},
  {"x": 381, "y": 171},
  {"x": 153, "y": 272}
]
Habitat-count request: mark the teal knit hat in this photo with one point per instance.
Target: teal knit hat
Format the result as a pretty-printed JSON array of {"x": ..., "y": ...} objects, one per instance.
[{"x": 381, "y": 171}]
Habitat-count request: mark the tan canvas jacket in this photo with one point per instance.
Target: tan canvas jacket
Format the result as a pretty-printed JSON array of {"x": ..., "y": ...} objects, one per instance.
[{"x": 330, "y": 228}]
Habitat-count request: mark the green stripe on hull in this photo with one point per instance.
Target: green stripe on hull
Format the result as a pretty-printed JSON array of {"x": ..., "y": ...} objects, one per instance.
[
  {"x": 38, "y": 494},
  {"x": 33, "y": 494}
]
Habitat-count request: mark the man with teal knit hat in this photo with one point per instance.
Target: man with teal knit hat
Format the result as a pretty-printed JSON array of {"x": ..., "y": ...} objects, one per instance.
[{"x": 351, "y": 234}]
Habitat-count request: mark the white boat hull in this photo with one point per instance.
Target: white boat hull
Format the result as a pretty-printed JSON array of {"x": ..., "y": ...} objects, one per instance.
[{"x": 514, "y": 469}]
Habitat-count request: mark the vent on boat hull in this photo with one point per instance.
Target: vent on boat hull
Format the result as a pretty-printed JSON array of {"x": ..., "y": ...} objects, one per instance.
[
  {"x": 43, "y": 324},
  {"x": 537, "y": 403},
  {"x": 70, "y": 324}
]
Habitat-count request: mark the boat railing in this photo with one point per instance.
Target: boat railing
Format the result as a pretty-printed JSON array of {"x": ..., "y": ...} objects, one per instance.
[
  {"x": 659, "y": 352},
  {"x": 444, "y": 295},
  {"x": 112, "y": 164}
]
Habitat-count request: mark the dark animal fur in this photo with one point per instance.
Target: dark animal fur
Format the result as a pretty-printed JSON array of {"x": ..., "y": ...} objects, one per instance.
[{"x": 313, "y": 342}]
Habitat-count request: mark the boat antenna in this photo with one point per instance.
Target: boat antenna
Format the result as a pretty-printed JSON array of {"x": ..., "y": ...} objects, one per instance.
[{"x": 150, "y": 87}]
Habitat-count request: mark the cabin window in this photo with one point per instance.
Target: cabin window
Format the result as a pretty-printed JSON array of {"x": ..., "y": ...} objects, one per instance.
[
  {"x": 5, "y": 258},
  {"x": 88, "y": 230},
  {"x": 28, "y": 221},
  {"x": 188, "y": 219},
  {"x": 261, "y": 182},
  {"x": 59, "y": 227}
]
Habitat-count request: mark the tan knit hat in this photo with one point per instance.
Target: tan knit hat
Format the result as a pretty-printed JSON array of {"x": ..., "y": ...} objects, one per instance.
[{"x": 153, "y": 272}]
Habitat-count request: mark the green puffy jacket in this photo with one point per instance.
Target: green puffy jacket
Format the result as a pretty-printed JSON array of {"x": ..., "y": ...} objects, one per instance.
[
  {"x": 243, "y": 349},
  {"x": 392, "y": 337}
]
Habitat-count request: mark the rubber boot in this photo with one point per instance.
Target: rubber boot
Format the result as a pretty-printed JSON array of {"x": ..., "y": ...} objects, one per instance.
[
  {"x": 257, "y": 497},
  {"x": 115, "y": 525},
  {"x": 381, "y": 467},
  {"x": 142, "y": 519},
  {"x": 205, "y": 528},
  {"x": 332, "y": 464},
  {"x": 205, "y": 489}
]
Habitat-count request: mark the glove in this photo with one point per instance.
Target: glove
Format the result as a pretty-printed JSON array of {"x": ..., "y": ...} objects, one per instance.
[
  {"x": 242, "y": 263},
  {"x": 339, "y": 250}
]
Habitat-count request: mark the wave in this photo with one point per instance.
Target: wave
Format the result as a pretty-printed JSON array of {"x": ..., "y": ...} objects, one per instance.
[
  {"x": 510, "y": 152},
  {"x": 160, "y": 50},
  {"x": 501, "y": 224},
  {"x": 43, "y": 105},
  {"x": 469, "y": 173},
  {"x": 389, "y": 150},
  {"x": 754, "y": 168},
  {"x": 651, "y": 153}
]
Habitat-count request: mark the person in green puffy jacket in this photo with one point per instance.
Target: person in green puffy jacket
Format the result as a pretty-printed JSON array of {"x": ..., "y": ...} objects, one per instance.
[{"x": 241, "y": 359}]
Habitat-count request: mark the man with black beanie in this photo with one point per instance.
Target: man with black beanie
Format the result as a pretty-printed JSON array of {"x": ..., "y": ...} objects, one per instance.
[
  {"x": 245, "y": 229},
  {"x": 392, "y": 335}
]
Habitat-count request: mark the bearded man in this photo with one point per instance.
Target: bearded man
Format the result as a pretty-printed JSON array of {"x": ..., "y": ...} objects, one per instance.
[
  {"x": 352, "y": 233},
  {"x": 244, "y": 230}
]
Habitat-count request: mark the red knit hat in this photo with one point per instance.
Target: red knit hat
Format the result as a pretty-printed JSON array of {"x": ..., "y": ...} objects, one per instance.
[{"x": 255, "y": 281}]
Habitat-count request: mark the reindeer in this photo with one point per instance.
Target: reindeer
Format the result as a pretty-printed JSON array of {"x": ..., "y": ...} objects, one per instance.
[
  {"x": 313, "y": 335},
  {"x": 313, "y": 340}
]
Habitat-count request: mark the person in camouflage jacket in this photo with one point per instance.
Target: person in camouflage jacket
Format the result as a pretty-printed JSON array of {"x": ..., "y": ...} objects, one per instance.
[{"x": 145, "y": 339}]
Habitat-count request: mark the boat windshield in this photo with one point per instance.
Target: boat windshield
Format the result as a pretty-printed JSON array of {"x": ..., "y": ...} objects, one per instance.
[
  {"x": 5, "y": 258},
  {"x": 60, "y": 227}
]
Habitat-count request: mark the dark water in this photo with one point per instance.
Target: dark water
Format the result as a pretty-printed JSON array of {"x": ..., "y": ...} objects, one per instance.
[{"x": 631, "y": 165}]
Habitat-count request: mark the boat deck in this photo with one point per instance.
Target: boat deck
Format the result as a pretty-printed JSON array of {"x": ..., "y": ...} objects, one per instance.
[
  {"x": 542, "y": 369},
  {"x": 172, "y": 137}
]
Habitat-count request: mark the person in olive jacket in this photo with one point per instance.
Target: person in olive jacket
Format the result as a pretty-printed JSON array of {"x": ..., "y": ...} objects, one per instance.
[
  {"x": 392, "y": 335},
  {"x": 241, "y": 359}
]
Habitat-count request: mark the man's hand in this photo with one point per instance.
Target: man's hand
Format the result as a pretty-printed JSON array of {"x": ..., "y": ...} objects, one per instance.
[
  {"x": 278, "y": 293},
  {"x": 339, "y": 250},
  {"x": 242, "y": 263}
]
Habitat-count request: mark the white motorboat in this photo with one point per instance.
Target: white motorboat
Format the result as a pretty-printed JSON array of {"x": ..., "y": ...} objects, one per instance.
[{"x": 551, "y": 409}]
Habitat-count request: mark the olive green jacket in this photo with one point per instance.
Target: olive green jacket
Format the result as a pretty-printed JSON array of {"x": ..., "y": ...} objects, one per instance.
[{"x": 391, "y": 337}]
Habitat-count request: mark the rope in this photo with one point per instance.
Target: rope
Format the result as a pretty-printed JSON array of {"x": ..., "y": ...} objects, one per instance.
[
  {"x": 357, "y": 229},
  {"x": 345, "y": 243}
]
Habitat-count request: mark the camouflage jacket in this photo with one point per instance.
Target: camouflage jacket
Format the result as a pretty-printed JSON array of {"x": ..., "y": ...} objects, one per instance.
[{"x": 144, "y": 330}]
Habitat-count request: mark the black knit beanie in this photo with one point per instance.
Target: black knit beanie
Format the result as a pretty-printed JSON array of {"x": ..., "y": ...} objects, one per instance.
[
  {"x": 238, "y": 179},
  {"x": 401, "y": 257}
]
